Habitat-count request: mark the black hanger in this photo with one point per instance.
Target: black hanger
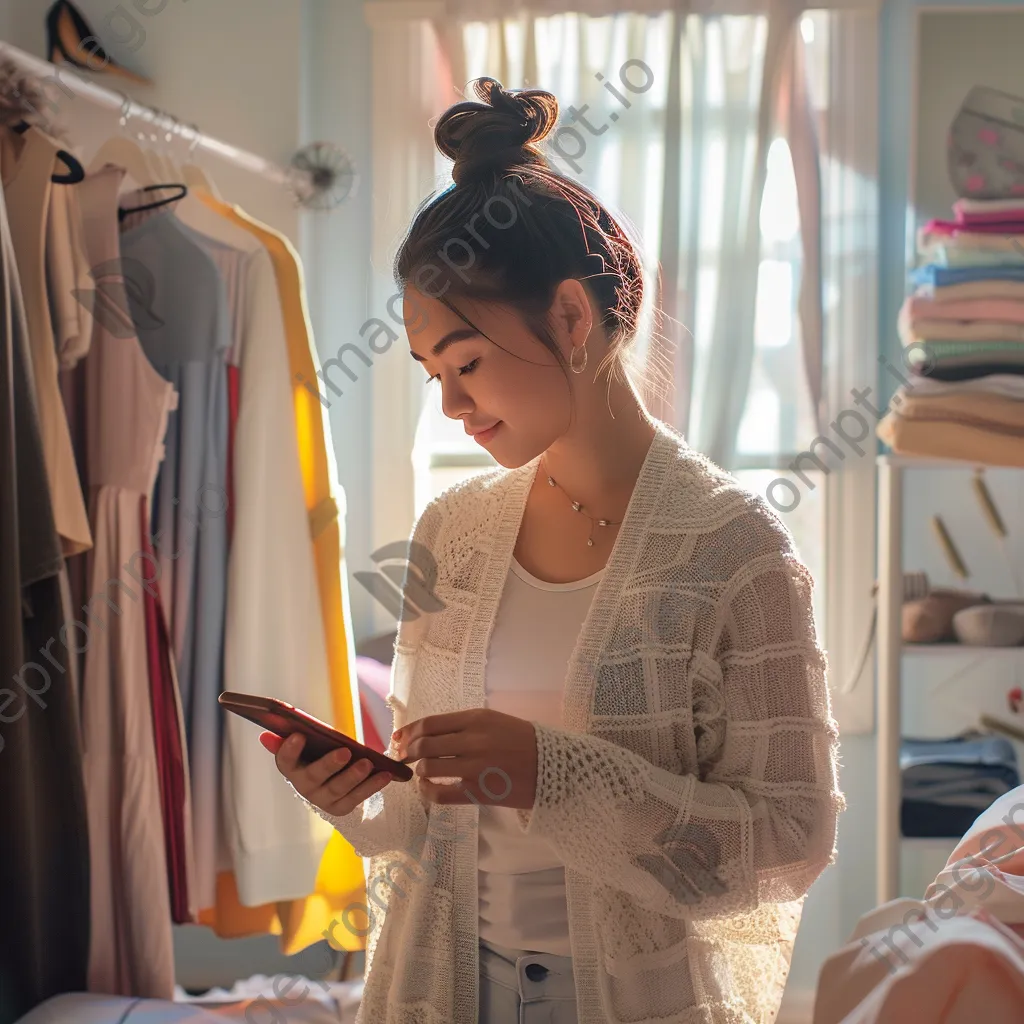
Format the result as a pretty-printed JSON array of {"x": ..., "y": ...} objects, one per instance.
[
  {"x": 76, "y": 172},
  {"x": 124, "y": 211}
]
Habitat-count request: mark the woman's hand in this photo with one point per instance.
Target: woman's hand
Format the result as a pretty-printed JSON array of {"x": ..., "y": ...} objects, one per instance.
[
  {"x": 326, "y": 783},
  {"x": 495, "y": 756}
]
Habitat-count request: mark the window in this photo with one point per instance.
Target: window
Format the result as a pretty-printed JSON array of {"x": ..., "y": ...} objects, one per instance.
[{"x": 776, "y": 423}]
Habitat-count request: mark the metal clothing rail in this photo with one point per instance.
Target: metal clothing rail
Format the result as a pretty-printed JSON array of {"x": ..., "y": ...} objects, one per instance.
[{"x": 50, "y": 75}]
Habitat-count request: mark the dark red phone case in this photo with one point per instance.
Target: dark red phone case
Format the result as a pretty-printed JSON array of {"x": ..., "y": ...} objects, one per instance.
[{"x": 283, "y": 719}]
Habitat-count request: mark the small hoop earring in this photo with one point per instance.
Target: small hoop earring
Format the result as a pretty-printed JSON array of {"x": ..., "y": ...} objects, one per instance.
[{"x": 572, "y": 358}]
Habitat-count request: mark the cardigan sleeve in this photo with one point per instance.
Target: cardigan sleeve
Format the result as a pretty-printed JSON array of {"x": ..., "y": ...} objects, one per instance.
[
  {"x": 757, "y": 822},
  {"x": 394, "y": 820}
]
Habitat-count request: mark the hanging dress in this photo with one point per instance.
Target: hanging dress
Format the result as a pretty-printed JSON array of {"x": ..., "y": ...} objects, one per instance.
[
  {"x": 179, "y": 306},
  {"x": 27, "y": 185},
  {"x": 44, "y": 849},
  {"x": 126, "y": 406}
]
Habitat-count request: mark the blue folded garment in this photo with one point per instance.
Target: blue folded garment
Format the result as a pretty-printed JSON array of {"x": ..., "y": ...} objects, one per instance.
[
  {"x": 938, "y": 277},
  {"x": 947, "y": 783}
]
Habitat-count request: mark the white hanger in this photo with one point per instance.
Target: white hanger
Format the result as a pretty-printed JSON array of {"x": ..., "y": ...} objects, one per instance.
[
  {"x": 170, "y": 163},
  {"x": 194, "y": 176},
  {"x": 125, "y": 152},
  {"x": 162, "y": 170}
]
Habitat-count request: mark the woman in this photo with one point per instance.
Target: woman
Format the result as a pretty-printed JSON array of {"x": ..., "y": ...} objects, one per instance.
[{"x": 624, "y": 751}]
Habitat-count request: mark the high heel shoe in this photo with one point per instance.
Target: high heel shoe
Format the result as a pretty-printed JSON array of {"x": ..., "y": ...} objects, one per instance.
[{"x": 69, "y": 37}]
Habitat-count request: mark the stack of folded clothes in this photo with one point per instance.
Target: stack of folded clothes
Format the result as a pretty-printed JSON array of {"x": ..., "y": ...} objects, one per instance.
[
  {"x": 963, "y": 334},
  {"x": 947, "y": 783}
]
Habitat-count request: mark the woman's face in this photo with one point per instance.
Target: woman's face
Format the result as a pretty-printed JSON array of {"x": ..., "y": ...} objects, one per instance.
[{"x": 518, "y": 388}]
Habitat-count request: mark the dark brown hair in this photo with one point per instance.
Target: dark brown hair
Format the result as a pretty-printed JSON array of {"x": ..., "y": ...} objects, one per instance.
[{"x": 511, "y": 228}]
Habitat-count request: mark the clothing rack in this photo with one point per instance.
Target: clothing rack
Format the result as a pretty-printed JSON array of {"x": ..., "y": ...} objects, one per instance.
[{"x": 67, "y": 80}]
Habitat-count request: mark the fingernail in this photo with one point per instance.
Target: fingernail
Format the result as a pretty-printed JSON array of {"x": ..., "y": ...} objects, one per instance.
[
  {"x": 342, "y": 755},
  {"x": 385, "y": 778}
]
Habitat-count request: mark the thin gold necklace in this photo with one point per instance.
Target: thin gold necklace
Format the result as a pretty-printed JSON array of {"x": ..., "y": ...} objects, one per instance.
[{"x": 577, "y": 507}]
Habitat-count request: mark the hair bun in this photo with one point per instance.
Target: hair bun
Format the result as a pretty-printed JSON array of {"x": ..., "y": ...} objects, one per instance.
[{"x": 498, "y": 132}]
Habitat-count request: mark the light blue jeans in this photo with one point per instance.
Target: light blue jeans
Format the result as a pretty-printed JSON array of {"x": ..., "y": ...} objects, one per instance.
[{"x": 518, "y": 987}]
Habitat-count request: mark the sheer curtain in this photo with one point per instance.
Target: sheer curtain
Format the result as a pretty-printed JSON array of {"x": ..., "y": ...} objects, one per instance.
[
  {"x": 411, "y": 85},
  {"x": 734, "y": 137},
  {"x": 669, "y": 117}
]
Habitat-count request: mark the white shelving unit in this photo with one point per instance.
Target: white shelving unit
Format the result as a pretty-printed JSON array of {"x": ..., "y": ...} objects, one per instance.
[{"x": 891, "y": 651}]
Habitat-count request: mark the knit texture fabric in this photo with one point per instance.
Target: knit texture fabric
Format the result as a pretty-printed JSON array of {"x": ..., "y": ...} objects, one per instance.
[{"x": 692, "y": 791}]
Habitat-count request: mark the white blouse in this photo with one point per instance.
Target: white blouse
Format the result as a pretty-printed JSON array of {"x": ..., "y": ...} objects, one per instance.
[{"x": 521, "y": 879}]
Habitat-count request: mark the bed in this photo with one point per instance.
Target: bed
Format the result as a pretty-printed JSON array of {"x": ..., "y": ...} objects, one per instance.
[{"x": 955, "y": 956}]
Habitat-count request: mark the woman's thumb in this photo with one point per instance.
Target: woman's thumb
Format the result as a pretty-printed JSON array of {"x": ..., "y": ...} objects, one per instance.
[{"x": 271, "y": 741}]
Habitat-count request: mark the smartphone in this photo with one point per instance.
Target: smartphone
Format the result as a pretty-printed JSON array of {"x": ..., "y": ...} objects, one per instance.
[{"x": 283, "y": 719}]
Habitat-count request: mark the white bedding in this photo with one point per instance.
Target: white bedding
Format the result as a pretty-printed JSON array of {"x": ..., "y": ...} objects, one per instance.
[{"x": 257, "y": 1000}]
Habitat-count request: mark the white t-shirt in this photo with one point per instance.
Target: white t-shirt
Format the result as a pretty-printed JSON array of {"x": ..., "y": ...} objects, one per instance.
[{"x": 521, "y": 879}]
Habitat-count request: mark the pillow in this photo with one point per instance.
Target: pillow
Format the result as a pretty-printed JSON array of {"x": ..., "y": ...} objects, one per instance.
[{"x": 998, "y": 831}]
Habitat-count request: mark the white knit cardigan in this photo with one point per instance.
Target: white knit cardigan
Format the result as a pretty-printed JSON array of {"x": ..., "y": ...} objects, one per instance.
[{"x": 692, "y": 791}]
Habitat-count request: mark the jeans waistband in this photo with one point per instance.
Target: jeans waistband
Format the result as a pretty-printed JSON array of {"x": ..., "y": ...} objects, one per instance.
[{"x": 532, "y": 975}]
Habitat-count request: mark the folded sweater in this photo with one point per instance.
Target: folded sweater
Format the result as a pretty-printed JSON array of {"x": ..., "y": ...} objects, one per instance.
[
  {"x": 960, "y": 405},
  {"x": 969, "y": 210},
  {"x": 945, "y": 439},
  {"x": 945, "y": 351},
  {"x": 913, "y": 333},
  {"x": 922, "y": 307},
  {"x": 1008, "y": 226},
  {"x": 986, "y": 289},
  {"x": 947, "y": 253},
  {"x": 971, "y": 239},
  {"x": 1003, "y": 384},
  {"x": 936, "y": 276}
]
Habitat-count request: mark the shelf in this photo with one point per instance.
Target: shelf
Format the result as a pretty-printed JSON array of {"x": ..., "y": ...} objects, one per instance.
[
  {"x": 924, "y": 649},
  {"x": 892, "y": 474}
]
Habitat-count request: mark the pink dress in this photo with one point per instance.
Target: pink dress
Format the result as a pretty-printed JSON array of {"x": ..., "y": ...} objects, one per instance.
[{"x": 124, "y": 411}]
